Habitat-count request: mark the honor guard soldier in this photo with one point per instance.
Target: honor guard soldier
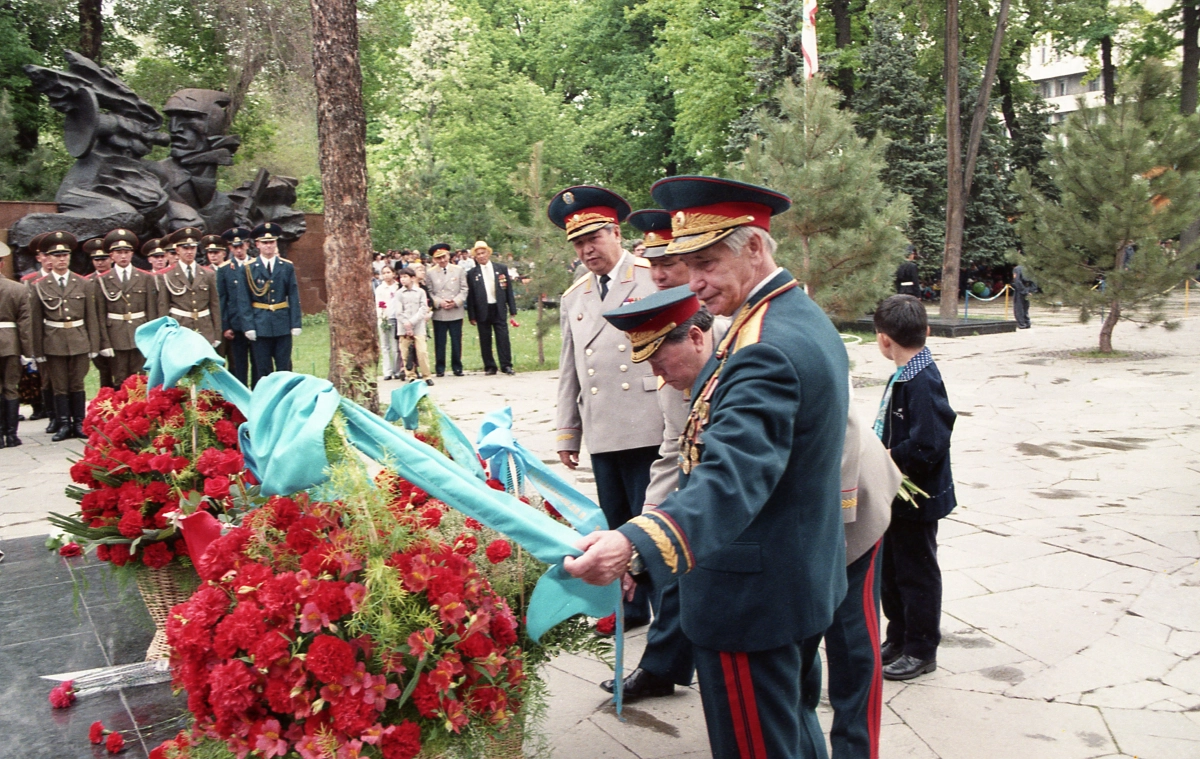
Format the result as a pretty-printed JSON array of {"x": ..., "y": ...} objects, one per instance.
[
  {"x": 605, "y": 399},
  {"x": 66, "y": 332},
  {"x": 102, "y": 262},
  {"x": 240, "y": 357},
  {"x": 754, "y": 533},
  {"x": 35, "y": 247},
  {"x": 154, "y": 252},
  {"x": 45, "y": 408},
  {"x": 16, "y": 343},
  {"x": 127, "y": 298},
  {"x": 187, "y": 292},
  {"x": 269, "y": 299},
  {"x": 213, "y": 248}
]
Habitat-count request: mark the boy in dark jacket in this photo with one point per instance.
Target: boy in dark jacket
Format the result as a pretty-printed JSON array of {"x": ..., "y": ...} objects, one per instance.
[{"x": 915, "y": 422}]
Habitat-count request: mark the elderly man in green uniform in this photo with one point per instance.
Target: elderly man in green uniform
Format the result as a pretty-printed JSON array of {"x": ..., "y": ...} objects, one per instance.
[
  {"x": 754, "y": 534},
  {"x": 66, "y": 332},
  {"x": 269, "y": 304},
  {"x": 126, "y": 298},
  {"x": 187, "y": 292},
  {"x": 604, "y": 399},
  {"x": 16, "y": 341}
]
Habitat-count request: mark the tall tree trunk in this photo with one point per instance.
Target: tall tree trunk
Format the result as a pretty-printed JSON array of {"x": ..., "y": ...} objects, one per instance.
[
  {"x": 1189, "y": 72},
  {"x": 955, "y": 211},
  {"x": 341, "y": 134},
  {"x": 979, "y": 118},
  {"x": 1106, "y": 329},
  {"x": 1108, "y": 74},
  {"x": 91, "y": 29},
  {"x": 1008, "y": 106},
  {"x": 843, "y": 38}
]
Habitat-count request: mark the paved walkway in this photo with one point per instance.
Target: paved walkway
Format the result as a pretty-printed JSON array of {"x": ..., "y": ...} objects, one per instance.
[{"x": 1071, "y": 616}]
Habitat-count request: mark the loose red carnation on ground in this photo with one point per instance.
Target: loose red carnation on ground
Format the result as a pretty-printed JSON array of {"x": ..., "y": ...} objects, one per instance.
[
  {"x": 115, "y": 743},
  {"x": 96, "y": 733},
  {"x": 63, "y": 695},
  {"x": 607, "y": 625},
  {"x": 70, "y": 550},
  {"x": 498, "y": 550}
]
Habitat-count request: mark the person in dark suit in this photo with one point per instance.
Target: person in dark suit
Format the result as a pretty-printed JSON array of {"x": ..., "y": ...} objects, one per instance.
[
  {"x": 754, "y": 534},
  {"x": 239, "y": 356},
  {"x": 269, "y": 304},
  {"x": 908, "y": 281},
  {"x": 491, "y": 307}
]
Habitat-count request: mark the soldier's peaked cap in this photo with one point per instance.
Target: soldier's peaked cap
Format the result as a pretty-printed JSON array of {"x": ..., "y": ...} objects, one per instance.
[
  {"x": 94, "y": 248},
  {"x": 236, "y": 235},
  {"x": 267, "y": 231},
  {"x": 120, "y": 239},
  {"x": 153, "y": 247},
  {"x": 584, "y": 209},
  {"x": 438, "y": 246},
  {"x": 706, "y": 210},
  {"x": 648, "y": 321},
  {"x": 212, "y": 242},
  {"x": 655, "y": 226},
  {"x": 185, "y": 236},
  {"x": 58, "y": 242}
]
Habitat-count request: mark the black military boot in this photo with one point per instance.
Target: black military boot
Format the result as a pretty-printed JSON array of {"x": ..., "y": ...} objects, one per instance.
[
  {"x": 12, "y": 419},
  {"x": 62, "y": 412},
  {"x": 43, "y": 408},
  {"x": 78, "y": 412},
  {"x": 4, "y": 412},
  {"x": 48, "y": 400}
]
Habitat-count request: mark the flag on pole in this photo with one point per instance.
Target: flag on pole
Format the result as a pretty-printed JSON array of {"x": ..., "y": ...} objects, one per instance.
[{"x": 808, "y": 38}]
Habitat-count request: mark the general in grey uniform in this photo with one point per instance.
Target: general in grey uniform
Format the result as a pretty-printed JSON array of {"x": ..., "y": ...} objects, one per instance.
[
  {"x": 605, "y": 399},
  {"x": 16, "y": 340},
  {"x": 126, "y": 298}
]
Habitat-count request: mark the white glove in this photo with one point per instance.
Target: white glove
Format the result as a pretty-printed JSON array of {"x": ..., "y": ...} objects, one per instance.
[
  {"x": 91, "y": 356},
  {"x": 41, "y": 359},
  {"x": 215, "y": 343},
  {"x": 251, "y": 335},
  {"x": 296, "y": 332},
  {"x": 107, "y": 353},
  {"x": 26, "y": 361}
]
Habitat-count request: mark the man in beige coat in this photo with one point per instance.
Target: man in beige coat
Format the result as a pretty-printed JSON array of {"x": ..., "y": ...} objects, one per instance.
[
  {"x": 447, "y": 286},
  {"x": 187, "y": 292},
  {"x": 605, "y": 399},
  {"x": 126, "y": 298},
  {"x": 67, "y": 332},
  {"x": 16, "y": 341}
]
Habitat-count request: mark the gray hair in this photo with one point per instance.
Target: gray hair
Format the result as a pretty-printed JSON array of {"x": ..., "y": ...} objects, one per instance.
[{"x": 741, "y": 238}]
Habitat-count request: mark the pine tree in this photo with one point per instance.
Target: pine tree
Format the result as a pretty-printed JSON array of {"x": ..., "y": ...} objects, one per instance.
[
  {"x": 1129, "y": 182},
  {"x": 988, "y": 237},
  {"x": 779, "y": 59},
  {"x": 845, "y": 234},
  {"x": 892, "y": 102}
]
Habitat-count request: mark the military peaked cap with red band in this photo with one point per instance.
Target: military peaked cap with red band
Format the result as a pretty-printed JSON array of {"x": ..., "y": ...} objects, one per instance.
[
  {"x": 94, "y": 248},
  {"x": 153, "y": 247},
  {"x": 655, "y": 226},
  {"x": 57, "y": 242},
  {"x": 648, "y": 321},
  {"x": 236, "y": 236},
  {"x": 35, "y": 243},
  {"x": 584, "y": 209},
  {"x": 186, "y": 236},
  {"x": 706, "y": 210},
  {"x": 212, "y": 242},
  {"x": 120, "y": 239}
]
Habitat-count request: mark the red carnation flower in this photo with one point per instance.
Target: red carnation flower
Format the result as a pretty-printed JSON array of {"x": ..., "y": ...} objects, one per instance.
[
  {"x": 431, "y": 517},
  {"x": 495, "y": 484},
  {"x": 401, "y": 741},
  {"x": 330, "y": 658},
  {"x": 465, "y": 545},
  {"x": 96, "y": 733},
  {"x": 115, "y": 743},
  {"x": 473, "y": 524},
  {"x": 118, "y": 554},
  {"x": 63, "y": 695},
  {"x": 131, "y": 524},
  {"x": 156, "y": 555},
  {"x": 103, "y": 552},
  {"x": 607, "y": 625},
  {"x": 498, "y": 550},
  {"x": 70, "y": 550},
  {"x": 226, "y": 431}
]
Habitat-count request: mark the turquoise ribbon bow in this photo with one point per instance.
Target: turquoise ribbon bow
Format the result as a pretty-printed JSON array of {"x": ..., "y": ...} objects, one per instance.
[
  {"x": 498, "y": 446},
  {"x": 404, "y": 407},
  {"x": 172, "y": 351}
]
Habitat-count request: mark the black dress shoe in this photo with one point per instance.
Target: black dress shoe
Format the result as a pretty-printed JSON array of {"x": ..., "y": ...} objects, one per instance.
[
  {"x": 642, "y": 684},
  {"x": 890, "y": 652},
  {"x": 907, "y": 667},
  {"x": 489, "y": 372},
  {"x": 509, "y": 371},
  {"x": 441, "y": 374}
]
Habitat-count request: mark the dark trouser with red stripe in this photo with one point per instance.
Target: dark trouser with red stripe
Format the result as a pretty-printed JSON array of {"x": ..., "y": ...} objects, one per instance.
[
  {"x": 762, "y": 704},
  {"x": 855, "y": 672}
]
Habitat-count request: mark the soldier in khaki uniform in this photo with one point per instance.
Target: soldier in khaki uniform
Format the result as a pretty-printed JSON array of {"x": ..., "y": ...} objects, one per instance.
[
  {"x": 94, "y": 248},
  {"x": 126, "y": 298},
  {"x": 153, "y": 252},
  {"x": 16, "y": 341},
  {"x": 66, "y": 332},
  {"x": 187, "y": 291},
  {"x": 604, "y": 398},
  {"x": 43, "y": 407}
]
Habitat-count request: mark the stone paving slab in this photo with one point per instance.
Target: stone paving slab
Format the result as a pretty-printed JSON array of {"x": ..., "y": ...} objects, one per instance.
[{"x": 1071, "y": 615}]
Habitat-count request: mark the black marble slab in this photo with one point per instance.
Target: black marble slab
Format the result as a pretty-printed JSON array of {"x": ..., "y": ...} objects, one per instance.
[{"x": 64, "y": 615}]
